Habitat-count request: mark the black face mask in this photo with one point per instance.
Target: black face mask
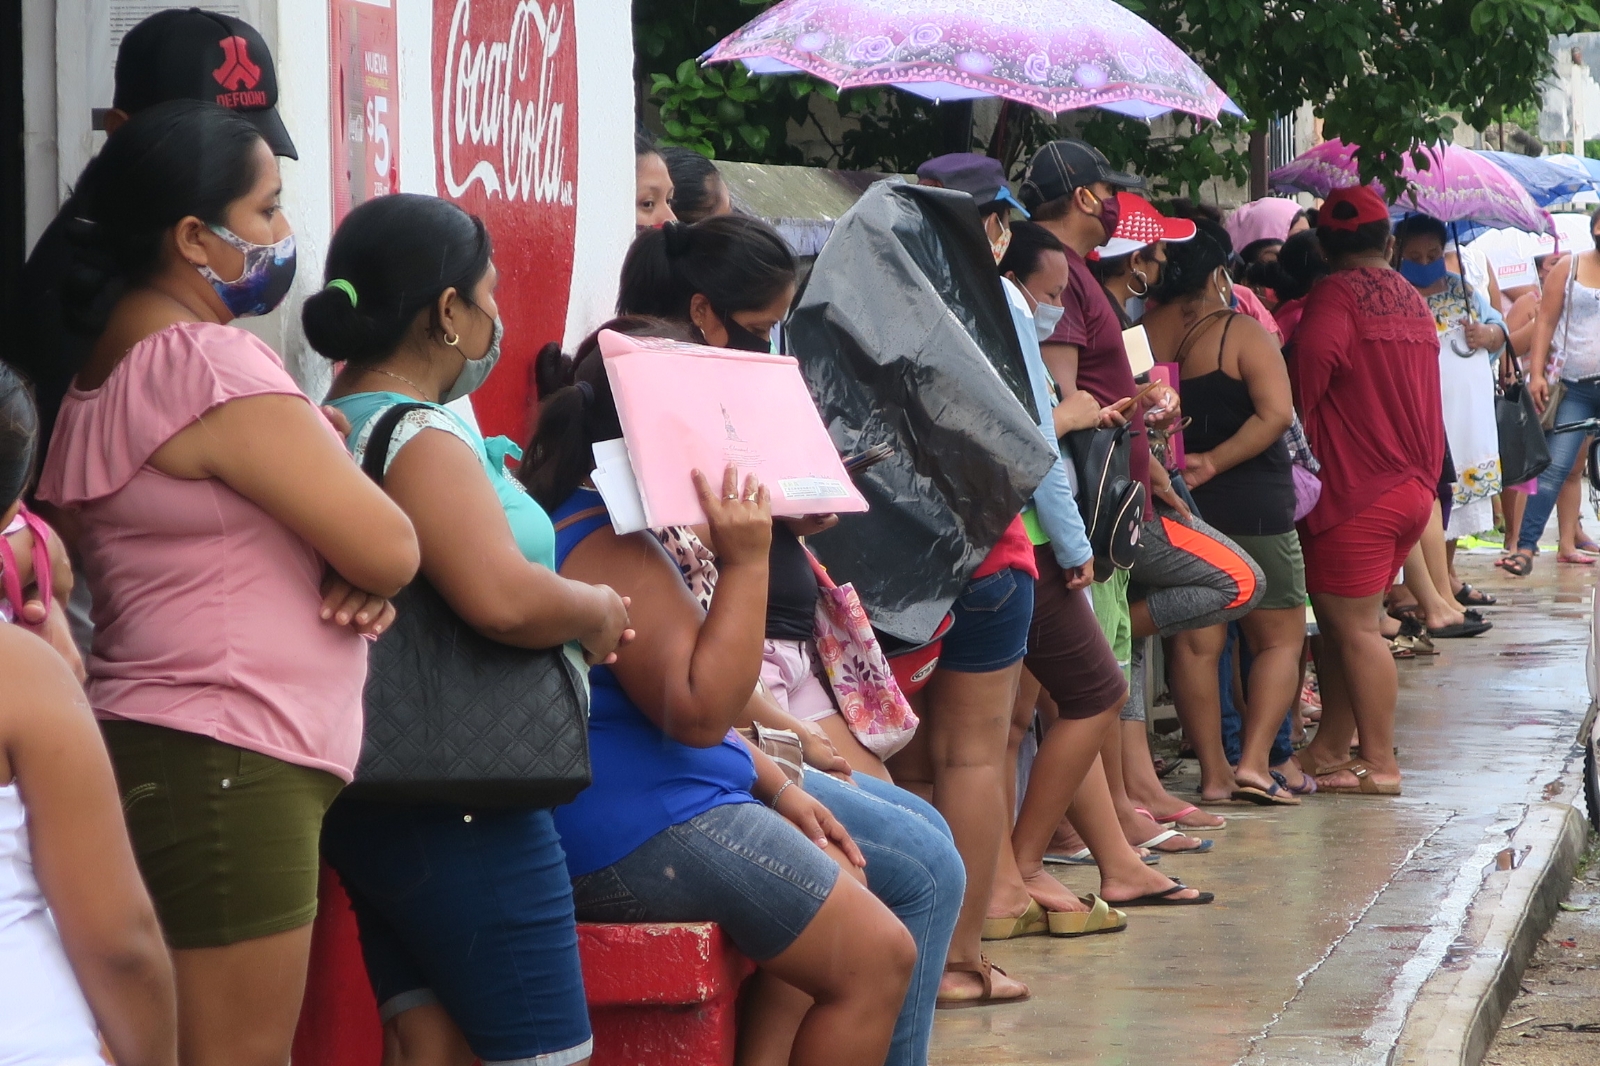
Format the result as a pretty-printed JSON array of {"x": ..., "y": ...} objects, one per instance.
[{"x": 743, "y": 340}]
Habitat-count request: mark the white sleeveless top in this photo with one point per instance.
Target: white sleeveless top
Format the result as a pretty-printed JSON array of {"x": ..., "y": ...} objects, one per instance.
[
  {"x": 43, "y": 1016},
  {"x": 1575, "y": 348}
]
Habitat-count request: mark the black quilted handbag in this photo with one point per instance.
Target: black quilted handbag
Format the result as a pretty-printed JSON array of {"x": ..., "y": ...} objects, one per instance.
[{"x": 454, "y": 717}]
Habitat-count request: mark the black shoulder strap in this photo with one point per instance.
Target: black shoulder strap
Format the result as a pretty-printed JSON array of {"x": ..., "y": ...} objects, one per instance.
[{"x": 372, "y": 464}]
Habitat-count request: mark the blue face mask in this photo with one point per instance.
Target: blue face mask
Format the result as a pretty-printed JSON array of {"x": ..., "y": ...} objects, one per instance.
[
  {"x": 1423, "y": 275},
  {"x": 264, "y": 282}
]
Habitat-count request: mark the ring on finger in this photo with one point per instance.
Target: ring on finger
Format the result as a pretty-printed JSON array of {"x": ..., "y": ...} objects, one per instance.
[{"x": 731, "y": 496}]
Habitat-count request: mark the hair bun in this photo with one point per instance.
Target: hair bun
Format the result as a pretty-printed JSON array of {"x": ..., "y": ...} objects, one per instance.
[{"x": 678, "y": 237}]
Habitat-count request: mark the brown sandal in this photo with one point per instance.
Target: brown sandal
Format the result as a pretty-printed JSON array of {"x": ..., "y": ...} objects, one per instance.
[
  {"x": 1365, "y": 785},
  {"x": 985, "y": 971}
]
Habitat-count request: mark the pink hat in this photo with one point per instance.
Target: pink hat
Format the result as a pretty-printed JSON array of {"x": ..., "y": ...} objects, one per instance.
[
  {"x": 1139, "y": 224},
  {"x": 1260, "y": 220}
]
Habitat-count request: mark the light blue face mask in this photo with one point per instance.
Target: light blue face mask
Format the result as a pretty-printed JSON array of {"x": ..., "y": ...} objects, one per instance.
[
  {"x": 1046, "y": 317},
  {"x": 476, "y": 371}
]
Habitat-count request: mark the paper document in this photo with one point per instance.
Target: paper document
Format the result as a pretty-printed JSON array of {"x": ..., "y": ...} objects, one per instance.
[{"x": 687, "y": 407}]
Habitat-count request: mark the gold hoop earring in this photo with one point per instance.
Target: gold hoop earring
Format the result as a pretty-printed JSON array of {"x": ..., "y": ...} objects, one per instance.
[{"x": 452, "y": 339}]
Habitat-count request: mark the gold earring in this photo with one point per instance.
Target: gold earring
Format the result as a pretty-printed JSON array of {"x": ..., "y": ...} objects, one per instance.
[{"x": 452, "y": 339}]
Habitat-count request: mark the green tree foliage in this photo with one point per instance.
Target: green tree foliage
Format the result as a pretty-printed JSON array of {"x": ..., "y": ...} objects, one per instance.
[{"x": 1382, "y": 74}]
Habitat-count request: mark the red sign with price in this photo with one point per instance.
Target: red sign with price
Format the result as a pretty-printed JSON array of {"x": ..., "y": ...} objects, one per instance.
[
  {"x": 366, "y": 102},
  {"x": 506, "y": 81}
]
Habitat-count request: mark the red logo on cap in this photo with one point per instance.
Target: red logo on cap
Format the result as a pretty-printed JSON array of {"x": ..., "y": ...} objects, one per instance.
[{"x": 237, "y": 71}]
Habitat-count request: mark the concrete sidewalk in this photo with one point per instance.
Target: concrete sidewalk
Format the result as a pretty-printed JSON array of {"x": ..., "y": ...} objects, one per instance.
[{"x": 1350, "y": 929}]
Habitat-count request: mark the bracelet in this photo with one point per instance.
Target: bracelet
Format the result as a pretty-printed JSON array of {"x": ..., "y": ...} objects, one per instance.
[{"x": 773, "y": 802}]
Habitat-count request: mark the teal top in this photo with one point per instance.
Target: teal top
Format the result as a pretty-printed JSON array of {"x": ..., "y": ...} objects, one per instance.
[{"x": 531, "y": 527}]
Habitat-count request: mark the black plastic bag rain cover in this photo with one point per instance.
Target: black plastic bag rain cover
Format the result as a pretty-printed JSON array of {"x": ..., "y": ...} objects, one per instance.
[{"x": 904, "y": 335}]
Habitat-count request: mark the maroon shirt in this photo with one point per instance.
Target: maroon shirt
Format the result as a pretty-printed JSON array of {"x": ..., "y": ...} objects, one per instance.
[
  {"x": 1089, "y": 322},
  {"x": 1365, "y": 371}
]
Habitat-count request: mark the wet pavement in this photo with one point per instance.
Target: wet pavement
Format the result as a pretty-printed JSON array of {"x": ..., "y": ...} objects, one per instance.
[{"x": 1329, "y": 916}]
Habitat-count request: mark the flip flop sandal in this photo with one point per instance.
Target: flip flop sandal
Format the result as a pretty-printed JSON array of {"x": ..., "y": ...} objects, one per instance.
[
  {"x": 1400, "y": 648},
  {"x": 1575, "y": 559},
  {"x": 1101, "y": 917},
  {"x": 1587, "y": 544},
  {"x": 1164, "y": 898},
  {"x": 1031, "y": 922},
  {"x": 1306, "y": 787},
  {"x": 1365, "y": 785},
  {"x": 985, "y": 971},
  {"x": 1082, "y": 857},
  {"x": 1409, "y": 613},
  {"x": 1467, "y": 596},
  {"x": 1276, "y": 796},
  {"x": 1517, "y": 564},
  {"x": 1172, "y": 821},
  {"x": 1461, "y": 629},
  {"x": 1168, "y": 768},
  {"x": 1167, "y": 834}
]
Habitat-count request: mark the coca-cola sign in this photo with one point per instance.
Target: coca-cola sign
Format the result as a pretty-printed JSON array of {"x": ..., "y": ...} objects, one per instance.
[{"x": 506, "y": 79}]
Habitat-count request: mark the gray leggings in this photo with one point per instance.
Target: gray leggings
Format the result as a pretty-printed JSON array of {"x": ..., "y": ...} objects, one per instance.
[{"x": 1190, "y": 576}]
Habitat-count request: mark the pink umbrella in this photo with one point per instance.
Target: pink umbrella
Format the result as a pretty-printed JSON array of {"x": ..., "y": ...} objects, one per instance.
[
  {"x": 1057, "y": 55},
  {"x": 1458, "y": 186}
]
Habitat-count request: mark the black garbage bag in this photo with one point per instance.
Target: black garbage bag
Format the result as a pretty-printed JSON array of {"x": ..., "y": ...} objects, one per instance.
[{"x": 904, "y": 336}]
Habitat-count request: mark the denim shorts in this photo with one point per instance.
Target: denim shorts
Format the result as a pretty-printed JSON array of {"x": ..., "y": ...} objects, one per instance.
[
  {"x": 992, "y": 615},
  {"x": 471, "y": 910},
  {"x": 741, "y": 865}
]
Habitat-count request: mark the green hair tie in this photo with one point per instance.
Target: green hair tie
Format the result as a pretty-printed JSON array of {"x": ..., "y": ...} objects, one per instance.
[{"x": 344, "y": 287}]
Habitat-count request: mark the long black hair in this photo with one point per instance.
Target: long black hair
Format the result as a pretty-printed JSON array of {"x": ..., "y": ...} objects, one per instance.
[
  {"x": 577, "y": 410},
  {"x": 167, "y": 162},
  {"x": 1191, "y": 263},
  {"x": 19, "y": 436},
  {"x": 398, "y": 254},
  {"x": 694, "y": 183},
  {"x": 1297, "y": 268},
  {"x": 737, "y": 263}
]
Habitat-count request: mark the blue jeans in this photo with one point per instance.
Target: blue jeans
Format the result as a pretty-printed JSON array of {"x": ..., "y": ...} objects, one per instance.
[
  {"x": 470, "y": 909},
  {"x": 914, "y": 868},
  {"x": 1581, "y": 400},
  {"x": 1232, "y": 722}
]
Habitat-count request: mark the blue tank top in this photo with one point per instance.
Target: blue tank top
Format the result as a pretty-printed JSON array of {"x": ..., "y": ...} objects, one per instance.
[{"x": 644, "y": 781}]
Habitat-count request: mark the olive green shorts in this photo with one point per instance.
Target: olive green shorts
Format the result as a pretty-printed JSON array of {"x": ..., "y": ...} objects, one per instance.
[
  {"x": 1282, "y": 568},
  {"x": 226, "y": 838}
]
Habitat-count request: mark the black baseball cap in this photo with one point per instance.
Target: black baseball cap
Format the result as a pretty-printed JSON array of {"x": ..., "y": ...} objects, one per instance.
[
  {"x": 201, "y": 55},
  {"x": 1061, "y": 166}
]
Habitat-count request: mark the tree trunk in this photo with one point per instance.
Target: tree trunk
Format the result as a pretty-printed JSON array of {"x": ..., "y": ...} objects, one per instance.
[{"x": 1258, "y": 163}]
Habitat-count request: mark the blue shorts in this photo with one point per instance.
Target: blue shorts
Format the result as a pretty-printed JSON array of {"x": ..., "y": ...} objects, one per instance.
[
  {"x": 991, "y": 628},
  {"x": 472, "y": 911},
  {"x": 741, "y": 865}
]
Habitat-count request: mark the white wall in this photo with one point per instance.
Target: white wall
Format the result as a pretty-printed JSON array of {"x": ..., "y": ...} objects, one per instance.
[{"x": 67, "y": 72}]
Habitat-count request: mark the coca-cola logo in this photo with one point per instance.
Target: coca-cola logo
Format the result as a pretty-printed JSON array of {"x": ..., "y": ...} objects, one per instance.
[
  {"x": 501, "y": 112},
  {"x": 506, "y": 79}
]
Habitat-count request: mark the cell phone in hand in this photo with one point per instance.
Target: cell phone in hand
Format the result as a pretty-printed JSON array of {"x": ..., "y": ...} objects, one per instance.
[{"x": 860, "y": 461}]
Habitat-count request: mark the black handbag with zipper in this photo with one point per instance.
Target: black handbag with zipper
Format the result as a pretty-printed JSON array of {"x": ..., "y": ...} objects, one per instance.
[
  {"x": 1524, "y": 450},
  {"x": 453, "y": 717}
]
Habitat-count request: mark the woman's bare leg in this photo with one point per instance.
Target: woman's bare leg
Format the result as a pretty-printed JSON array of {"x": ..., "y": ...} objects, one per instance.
[
  {"x": 968, "y": 723},
  {"x": 1276, "y": 639},
  {"x": 1195, "y": 655},
  {"x": 1364, "y": 687},
  {"x": 238, "y": 1005}
]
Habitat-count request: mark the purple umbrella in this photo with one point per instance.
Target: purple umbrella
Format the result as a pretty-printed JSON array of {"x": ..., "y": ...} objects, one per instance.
[
  {"x": 1458, "y": 186},
  {"x": 1056, "y": 55}
]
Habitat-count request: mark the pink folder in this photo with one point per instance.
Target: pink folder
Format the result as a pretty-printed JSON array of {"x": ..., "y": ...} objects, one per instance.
[{"x": 687, "y": 406}]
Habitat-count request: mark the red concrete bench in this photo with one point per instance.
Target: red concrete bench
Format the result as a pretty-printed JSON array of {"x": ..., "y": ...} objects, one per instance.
[{"x": 657, "y": 993}]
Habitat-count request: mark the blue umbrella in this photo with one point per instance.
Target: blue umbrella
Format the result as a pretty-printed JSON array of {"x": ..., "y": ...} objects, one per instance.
[
  {"x": 1548, "y": 181},
  {"x": 1591, "y": 166}
]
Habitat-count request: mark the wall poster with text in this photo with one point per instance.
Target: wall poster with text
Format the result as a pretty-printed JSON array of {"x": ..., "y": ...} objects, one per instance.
[
  {"x": 505, "y": 79},
  {"x": 365, "y": 90}
]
